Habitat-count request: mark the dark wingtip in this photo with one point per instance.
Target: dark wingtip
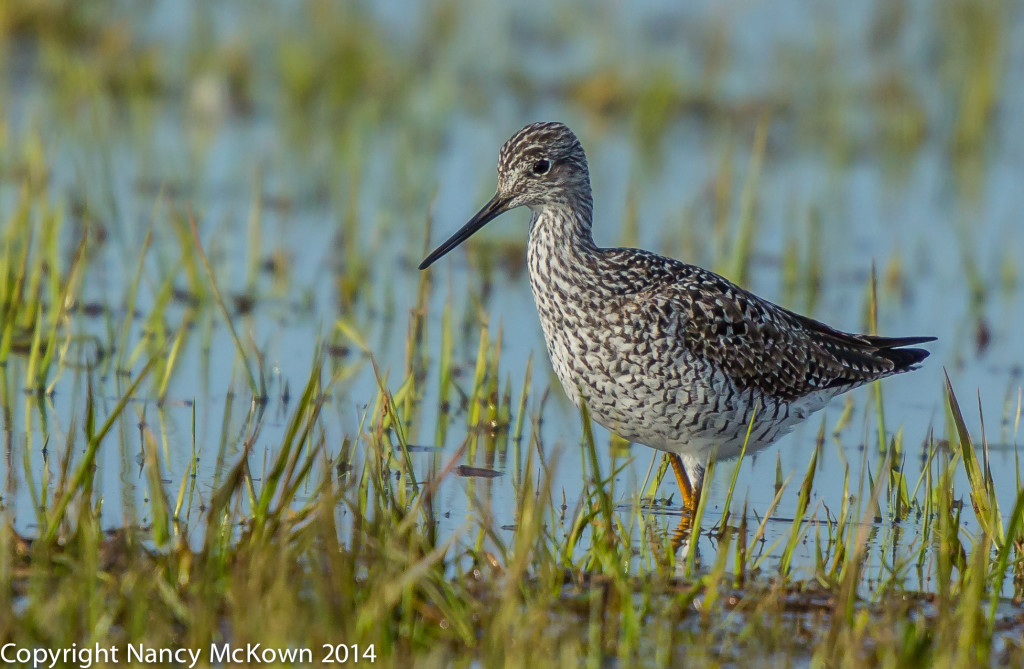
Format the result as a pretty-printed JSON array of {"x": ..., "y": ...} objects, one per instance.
[
  {"x": 899, "y": 342},
  {"x": 903, "y": 359}
]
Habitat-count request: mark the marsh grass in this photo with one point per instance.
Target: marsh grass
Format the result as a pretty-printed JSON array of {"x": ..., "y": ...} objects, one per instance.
[{"x": 317, "y": 545}]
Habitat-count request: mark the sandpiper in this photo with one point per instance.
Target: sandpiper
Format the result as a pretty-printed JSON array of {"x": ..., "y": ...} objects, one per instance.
[{"x": 664, "y": 353}]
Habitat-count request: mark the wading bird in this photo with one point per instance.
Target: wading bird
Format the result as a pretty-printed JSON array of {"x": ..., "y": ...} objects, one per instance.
[{"x": 664, "y": 353}]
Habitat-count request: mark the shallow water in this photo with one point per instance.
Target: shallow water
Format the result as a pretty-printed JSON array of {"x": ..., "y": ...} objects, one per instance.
[{"x": 924, "y": 217}]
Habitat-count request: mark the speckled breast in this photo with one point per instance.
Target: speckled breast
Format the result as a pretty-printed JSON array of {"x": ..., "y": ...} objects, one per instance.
[{"x": 640, "y": 380}]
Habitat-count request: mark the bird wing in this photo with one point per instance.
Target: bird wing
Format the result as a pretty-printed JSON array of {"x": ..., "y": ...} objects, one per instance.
[{"x": 759, "y": 344}]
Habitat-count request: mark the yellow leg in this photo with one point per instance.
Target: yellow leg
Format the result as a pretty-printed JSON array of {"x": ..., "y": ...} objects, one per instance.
[{"x": 690, "y": 495}]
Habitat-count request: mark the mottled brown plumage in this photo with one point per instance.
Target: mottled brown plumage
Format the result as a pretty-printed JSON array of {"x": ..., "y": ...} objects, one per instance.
[{"x": 757, "y": 343}]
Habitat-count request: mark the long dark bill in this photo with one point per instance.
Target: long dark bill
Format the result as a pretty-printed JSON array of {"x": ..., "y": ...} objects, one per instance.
[{"x": 490, "y": 211}]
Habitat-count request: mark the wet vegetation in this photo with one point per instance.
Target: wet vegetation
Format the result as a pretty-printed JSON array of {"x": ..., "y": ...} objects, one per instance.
[{"x": 233, "y": 412}]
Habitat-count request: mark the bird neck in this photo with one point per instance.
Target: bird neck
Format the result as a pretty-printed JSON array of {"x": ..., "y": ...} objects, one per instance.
[
  {"x": 563, "y": 261},
  {"x": 563, "y": 229}
]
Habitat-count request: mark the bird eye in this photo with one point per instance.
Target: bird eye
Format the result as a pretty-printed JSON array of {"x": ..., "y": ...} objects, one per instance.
[{"x": 541, "y": 167}]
